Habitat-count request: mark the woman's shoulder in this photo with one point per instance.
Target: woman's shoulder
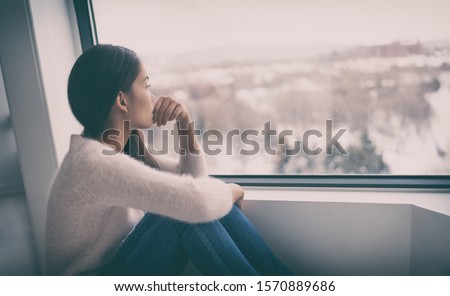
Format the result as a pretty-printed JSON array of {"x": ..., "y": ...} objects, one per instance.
[
  {"x": 86, "y": 163},
  {"x": 90, "y": 157},
  {"x": 90, "y": 163},
  {"x": 87, "y": 154}
]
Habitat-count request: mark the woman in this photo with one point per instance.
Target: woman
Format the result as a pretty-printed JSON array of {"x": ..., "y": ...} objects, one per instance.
[{"x": 115, "y": 209}]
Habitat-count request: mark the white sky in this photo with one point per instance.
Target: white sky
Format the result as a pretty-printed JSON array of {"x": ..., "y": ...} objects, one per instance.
[{"x": 175, "y": 26}]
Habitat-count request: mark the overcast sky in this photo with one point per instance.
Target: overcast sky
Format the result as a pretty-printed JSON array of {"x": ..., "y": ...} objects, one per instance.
[{"x": 173, "y": 26}]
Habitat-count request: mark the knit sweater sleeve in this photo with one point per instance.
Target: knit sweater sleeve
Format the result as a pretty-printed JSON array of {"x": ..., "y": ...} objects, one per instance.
[
  {"x": 188, "y": 163},
  {"x": 122, "y": 181}
]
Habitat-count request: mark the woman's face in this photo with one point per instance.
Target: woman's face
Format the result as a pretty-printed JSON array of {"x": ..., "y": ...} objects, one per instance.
[{"x": 140, "y": 103}]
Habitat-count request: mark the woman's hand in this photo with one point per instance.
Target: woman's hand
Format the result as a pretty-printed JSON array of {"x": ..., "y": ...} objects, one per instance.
[
  {"x": 167, "y": 109},
  {"x": 238, "y": 194}
]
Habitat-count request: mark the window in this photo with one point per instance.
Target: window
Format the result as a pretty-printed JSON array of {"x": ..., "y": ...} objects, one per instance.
[{"x": 348, "y": 87}]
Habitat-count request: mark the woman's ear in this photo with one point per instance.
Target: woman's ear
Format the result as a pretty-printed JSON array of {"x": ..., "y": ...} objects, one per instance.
[{"x": 121, "y": 102}]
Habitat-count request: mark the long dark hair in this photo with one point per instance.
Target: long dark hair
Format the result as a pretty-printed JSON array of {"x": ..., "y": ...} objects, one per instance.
[{"x": 95, "y": 80}]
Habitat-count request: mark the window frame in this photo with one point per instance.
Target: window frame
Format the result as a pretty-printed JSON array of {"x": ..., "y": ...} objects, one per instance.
[{"x": 88, "y": 36}]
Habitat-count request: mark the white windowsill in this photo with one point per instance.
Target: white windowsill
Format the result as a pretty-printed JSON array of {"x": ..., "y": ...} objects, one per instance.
[{"x": 437, "y": 200}]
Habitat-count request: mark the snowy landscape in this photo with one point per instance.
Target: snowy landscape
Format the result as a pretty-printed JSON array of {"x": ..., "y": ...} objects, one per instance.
[{"x": 392, "y": 99}]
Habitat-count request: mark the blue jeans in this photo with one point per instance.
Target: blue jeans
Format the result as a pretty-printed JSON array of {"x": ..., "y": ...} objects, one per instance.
[{"x": 162, "y": 246}]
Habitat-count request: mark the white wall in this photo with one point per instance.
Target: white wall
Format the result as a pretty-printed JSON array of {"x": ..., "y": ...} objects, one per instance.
[
  {"x": 355, "y": 231},
  {"x": 58, "y": 44},
  {"x": 430, "y": 243},
  {"x": 315, "y": 238}
]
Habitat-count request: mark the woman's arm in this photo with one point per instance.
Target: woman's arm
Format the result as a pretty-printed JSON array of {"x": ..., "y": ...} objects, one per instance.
[
  {"x": 192, "y": 161},
  {"x": 194, "y": 165},
  {"x": 186, "y": 133},
  {"x": 122, "y": 181},
  {"x": 168, "y": 163}
]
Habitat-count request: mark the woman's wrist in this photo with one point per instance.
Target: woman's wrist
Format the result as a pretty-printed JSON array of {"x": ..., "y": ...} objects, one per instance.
[
  {"x": 237, "y": 191},
  {"x": 187, "y": 134},
  {"x": 183, "y": 122}
]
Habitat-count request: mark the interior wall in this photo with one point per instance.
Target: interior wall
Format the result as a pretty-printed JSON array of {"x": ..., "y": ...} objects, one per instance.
[
  {"x": 57, "y": 42},
  {"x": 29, "y": 115},
  {"x": 430, "y": 246},
  {"x": 17, "y": 247},
  {"x": 39, "y": 46},
  {"x": 10, "y": 175},
  {"x": 315, "y": 238}
]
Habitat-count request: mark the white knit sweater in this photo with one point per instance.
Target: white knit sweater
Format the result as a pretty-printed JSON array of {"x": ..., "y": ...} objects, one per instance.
[{"x": 96, "y": 199}]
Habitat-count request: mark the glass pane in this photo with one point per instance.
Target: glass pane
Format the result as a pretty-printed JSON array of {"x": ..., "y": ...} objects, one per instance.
[{"x": 347, "y": 87}]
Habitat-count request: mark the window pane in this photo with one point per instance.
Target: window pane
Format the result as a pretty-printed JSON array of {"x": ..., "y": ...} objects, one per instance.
[{"x": 347, "y": 87}]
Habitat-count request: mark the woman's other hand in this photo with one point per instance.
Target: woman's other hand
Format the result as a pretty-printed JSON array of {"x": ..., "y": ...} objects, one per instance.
[{"x": 238, "y": 194}]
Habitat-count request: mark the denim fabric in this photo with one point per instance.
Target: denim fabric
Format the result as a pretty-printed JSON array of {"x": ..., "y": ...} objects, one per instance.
[{"x": 162, "y": 246}]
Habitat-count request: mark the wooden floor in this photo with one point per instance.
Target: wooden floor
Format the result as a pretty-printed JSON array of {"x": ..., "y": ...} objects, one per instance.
[{"x": 17, "y": 251}]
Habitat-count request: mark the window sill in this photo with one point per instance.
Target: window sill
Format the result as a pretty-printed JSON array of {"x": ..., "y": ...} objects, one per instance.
[
  {"x": 342, "y": 181},
  {"x": 437, "y": 200}
]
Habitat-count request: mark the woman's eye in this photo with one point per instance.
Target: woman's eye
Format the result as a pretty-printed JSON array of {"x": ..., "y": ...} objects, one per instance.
[{"x": 148, "y": 86}]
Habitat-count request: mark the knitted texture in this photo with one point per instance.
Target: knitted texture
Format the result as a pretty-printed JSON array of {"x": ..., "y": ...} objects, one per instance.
[{"x": 96, "y": 199}]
